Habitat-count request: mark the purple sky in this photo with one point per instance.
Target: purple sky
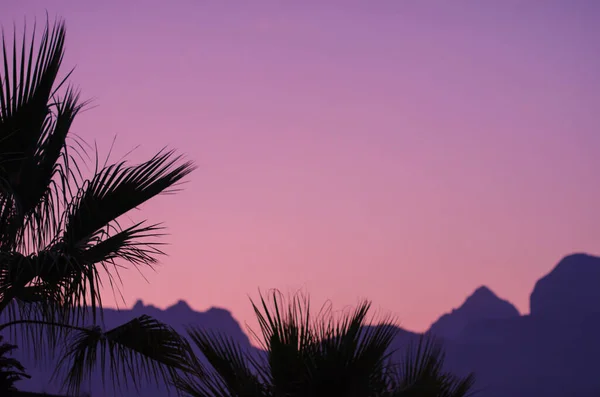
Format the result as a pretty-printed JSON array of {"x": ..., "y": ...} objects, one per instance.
[{"x": 404, "y": 151}]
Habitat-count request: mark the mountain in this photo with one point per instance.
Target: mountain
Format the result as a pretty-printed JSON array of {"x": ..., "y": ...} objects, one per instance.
[
  {"x": 179, "y": 316},
  {"x": 552, "y": 352},
  {"x": 570, "y": 290},
  {"x": 481, "y": 305}
]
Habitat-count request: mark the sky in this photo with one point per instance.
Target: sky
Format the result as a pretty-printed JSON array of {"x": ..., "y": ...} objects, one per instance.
[{"x": 401, "y": 151}]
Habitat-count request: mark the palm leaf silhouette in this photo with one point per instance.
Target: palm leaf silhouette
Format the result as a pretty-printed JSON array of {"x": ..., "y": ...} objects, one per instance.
[
  {"x": 421, "y": 373},
  {"x": 11, "y": 370},
  {"x": 60, "y": 232},
  {"x": 318, "y": 355},
  {"x": 143, "y": 346}
]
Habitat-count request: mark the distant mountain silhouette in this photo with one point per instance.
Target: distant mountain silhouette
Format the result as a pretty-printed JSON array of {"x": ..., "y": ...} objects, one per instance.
[
  {"x": 482, "y": 305},
  {"x": 178, "y": 316},
  {"x": 571, "y": 289},
  {"x": 553, "y": 352}
]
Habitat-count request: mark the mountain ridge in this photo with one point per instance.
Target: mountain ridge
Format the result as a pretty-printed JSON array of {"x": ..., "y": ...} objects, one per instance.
[{"x": 510, "y": 353}]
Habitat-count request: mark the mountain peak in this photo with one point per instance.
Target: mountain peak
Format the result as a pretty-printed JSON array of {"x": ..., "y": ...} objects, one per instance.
[
  {"x": 482, "y": 304},
  {"x": 576, "y": 256},
  {"x": 570, "y": 289},
  {"x": 181, "y": 305},
  {"x": 481, "y": 299},
  {"x": 139, "y": 304},
  {"x": 483, "y": 291}
]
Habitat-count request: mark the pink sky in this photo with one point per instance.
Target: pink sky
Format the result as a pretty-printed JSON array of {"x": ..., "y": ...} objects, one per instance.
[{"x": 403, "y": 151}]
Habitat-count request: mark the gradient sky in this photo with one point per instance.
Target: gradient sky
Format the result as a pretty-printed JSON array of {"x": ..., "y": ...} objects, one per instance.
[{"x": 403, "y": 151}]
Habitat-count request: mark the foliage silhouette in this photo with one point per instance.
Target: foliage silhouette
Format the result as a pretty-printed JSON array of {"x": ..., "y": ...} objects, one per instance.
[
  {"x": 61, "y": 233},
  {"x": 11, "y": 369},
  {"x": 318, "y": 356}
]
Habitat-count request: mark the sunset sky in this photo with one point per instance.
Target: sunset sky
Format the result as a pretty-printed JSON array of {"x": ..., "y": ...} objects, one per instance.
[{"x": 402, "y": 151}]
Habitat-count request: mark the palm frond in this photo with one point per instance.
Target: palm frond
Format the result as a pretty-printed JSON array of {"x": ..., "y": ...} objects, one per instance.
[
  {"x": 421, "y": 373},
  {"x": 49, "y": 286},
  {"x": 231, "y": 373},
  {"x": 74, "y": 279},
  {"x": 24, "y": 104},
  {"x": 356, "y": 353},
  {"x": 60, "y": 233},
  {"x": 21, "y": 297},
  {"x": 16, "y": 271},
  {"x": 47, "y": 174},
  {"x": 322, "y": 354},
  {"x": 28, "y": 312},
  {"x": 11, "y": 370},
  {"x": 116, "y": 190},
  {"x": 25, "y": 122},
  {"x": 93, "y": 241},
  {"x": 8, "y": 362},
  {"x": 289, "y": 340},
  {"x": 349, "y": 356},
  {"x": 136, "y": 244},
  {"x": 142, "y": 349}
]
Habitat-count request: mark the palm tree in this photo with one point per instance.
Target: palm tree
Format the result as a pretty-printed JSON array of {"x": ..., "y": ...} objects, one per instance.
[
  {"x": 62, "y": 234},
  {"x": 323, "y": 356},
  {"x": 11, "y": 369}
]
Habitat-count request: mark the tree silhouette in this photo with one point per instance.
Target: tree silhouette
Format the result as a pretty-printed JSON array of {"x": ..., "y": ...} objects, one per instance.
[
  {"x": 62, "y": 234},
  {"x": 11, "y": 369},
  {"x": 319, "y": 357}
]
